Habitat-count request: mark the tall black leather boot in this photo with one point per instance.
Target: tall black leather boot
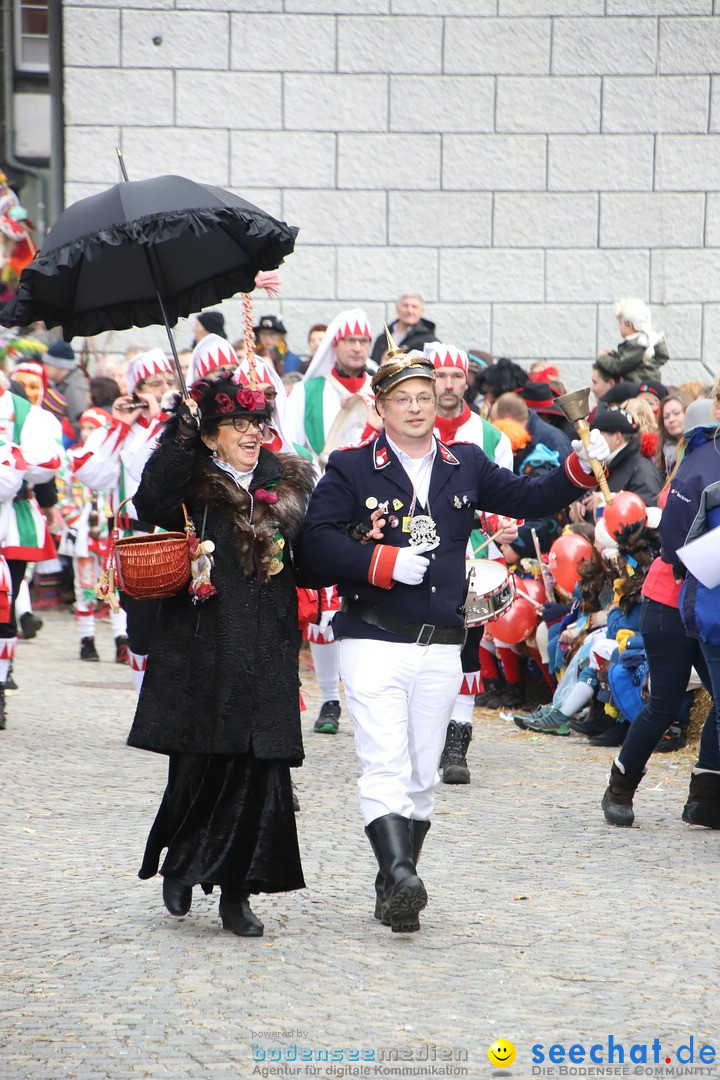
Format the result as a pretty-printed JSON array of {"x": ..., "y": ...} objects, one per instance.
[
  {"x": 404, "y": 894},
  {"x": 454, "y": 761},
  {"x": 617, "y": 802},
  {"x": 418, "y": 832}
]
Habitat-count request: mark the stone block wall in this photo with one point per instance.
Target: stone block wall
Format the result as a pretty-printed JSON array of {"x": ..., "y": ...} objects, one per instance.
[{"x": 520, "y": 163}]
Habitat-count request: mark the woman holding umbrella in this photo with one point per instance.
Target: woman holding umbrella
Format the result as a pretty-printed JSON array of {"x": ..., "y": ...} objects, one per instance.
[{"x": 221, "y": 690}]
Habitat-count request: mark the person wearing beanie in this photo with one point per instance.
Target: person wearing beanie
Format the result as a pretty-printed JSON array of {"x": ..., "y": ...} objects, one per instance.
[
  {"x": 208, "y": 322},
  {"x": 642, "y": 350},
  {"x": 221, "y": 697},
  {"x": 332, "y": 406},
  {"x": 68, "y": 379},
  {"x": 455, "y": 422},
  {"x": 390, "y": 521}
]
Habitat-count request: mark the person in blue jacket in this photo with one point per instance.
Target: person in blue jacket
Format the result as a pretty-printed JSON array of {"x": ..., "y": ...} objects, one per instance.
[
  {"x": 389, "y": 523},
  {"x": 681, "y": 630}
]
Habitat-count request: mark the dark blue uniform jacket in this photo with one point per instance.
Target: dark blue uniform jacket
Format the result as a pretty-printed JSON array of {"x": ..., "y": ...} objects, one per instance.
[{"x": 462, "y": 480}]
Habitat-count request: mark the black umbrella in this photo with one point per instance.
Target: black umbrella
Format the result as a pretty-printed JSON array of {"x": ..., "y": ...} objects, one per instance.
[{"x": 145, "y": 252}]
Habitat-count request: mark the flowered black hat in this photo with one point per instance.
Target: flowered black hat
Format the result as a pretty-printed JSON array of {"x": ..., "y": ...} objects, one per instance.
[{"x": 224, "y": 400}]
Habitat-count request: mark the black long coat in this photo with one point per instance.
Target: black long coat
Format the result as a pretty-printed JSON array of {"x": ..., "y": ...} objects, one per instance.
[{"x": 222, "y": 676}]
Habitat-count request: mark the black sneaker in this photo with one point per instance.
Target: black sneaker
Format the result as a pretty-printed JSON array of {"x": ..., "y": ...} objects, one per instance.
[
  {"x": 30, "y": 624},
  {"x": 673, "y": 738},
  {"x": 328, "y": 721},
  {"x": 88, "y": 650}
]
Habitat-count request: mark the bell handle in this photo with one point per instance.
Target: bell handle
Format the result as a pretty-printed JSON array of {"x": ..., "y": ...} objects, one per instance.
[{"x": 583, "y": 429}]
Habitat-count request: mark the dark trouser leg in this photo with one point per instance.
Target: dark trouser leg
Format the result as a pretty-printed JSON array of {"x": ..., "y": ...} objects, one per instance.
[{"x": 671, "y": 655}]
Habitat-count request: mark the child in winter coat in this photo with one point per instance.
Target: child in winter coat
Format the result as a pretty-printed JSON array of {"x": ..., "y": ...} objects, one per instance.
[{"x": 642, "y": 351}]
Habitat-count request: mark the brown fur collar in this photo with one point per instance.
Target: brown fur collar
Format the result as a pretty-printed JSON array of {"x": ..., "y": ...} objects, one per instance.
[{"x": 289, "y": 477}]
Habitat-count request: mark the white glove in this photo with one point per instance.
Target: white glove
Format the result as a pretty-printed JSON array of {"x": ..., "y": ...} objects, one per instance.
[
  {"x": 598, "y": 449},
  {"x": 326, "y": 618},
  {"x": 410, "y": 565}
]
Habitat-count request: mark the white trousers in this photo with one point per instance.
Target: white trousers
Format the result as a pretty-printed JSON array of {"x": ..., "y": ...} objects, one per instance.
[{"x": 400, "y": 698}]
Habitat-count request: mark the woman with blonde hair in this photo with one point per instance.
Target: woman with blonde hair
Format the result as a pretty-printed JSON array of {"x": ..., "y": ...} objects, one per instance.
[
  {"x": 643, "y": 415},
  {"x": 671, "y": 424}
]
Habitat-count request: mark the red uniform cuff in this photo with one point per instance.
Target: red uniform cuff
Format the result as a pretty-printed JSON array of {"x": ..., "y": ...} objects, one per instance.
[
  {"x": 382, "y": 565},
  {"x": 577, "y": 474}
]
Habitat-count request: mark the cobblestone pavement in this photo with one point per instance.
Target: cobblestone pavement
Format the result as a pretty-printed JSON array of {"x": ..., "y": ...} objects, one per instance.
[{"x": 545, "y": 925}]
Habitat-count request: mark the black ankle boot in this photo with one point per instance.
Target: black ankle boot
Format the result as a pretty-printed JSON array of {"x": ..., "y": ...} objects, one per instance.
[
  {"x": 88, "y": 650},
  {"x": 418, "y": 832},
  {"x": 703, "y": 801},
  {"x": 454, "y": 761},
  {"x": 237, "y": 915},
  {"x": 617, "y": 802},
  {"x": 403, "y": 891},
  {"x": 492, "y": 688},
  {"x": 177, "y": 897}
]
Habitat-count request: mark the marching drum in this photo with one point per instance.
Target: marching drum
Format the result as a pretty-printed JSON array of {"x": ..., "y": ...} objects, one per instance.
[{"x": 489, "y": 591}]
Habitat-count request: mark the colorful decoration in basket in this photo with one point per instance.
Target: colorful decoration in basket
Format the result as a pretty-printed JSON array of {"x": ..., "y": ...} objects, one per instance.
[{"x": 201, "y": 587}]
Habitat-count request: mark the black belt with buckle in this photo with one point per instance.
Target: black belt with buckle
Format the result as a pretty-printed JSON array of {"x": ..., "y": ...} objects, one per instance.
[{"x": 421, "y": 633}]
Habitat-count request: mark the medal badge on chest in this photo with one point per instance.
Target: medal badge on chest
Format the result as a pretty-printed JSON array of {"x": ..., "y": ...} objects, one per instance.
[{"x": 423, "y": 531}]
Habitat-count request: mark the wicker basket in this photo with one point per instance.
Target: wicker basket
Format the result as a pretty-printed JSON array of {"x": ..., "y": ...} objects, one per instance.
[{"x": 154, "y": 566}]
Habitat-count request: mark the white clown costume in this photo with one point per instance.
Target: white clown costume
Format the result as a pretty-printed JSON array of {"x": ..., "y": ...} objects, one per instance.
[
  {"x": 315, "y": 409},
  {"x": 85, "y": 539},
  {"x": 30, "y": 454},
  {"x": 112, "y": 460},
  {"x": 466, "y": 427}
]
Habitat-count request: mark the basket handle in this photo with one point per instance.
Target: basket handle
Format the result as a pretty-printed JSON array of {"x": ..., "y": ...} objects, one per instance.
[{"x": 189, "y": 527}]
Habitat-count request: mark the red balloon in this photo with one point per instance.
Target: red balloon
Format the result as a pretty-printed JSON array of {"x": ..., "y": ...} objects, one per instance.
[
  {"x": 516, "y": 624},
  {"x": 565, "y": 556},
  {"x": 532, "y": 587},
  {"x": 627, "y": 509}
]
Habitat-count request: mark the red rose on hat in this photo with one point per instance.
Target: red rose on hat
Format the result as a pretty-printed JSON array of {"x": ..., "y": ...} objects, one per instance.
[{"x": 224, "y": 403}]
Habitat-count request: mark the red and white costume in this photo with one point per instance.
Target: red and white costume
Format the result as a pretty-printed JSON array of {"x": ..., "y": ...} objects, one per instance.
[{"x": 113, "y": 458}]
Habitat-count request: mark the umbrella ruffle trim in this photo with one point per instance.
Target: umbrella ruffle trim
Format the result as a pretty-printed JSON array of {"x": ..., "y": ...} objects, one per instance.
[
  {"x": 151, "y": 230},
  {"x": 24, "y": 309}
]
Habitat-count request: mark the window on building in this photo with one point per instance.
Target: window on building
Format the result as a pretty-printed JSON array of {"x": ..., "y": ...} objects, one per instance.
[{"x": 32, "y": 38}]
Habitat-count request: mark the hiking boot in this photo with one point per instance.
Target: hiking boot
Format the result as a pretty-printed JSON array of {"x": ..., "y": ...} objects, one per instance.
[
  {"x": 30, "y": 624},
  {"x": 617, "y": 802},
  {"x": 672, "y": 739},
  {"x": 551, "y": 723},
  {"x": 453, "y": 761},
  {"x": 703, "y": 801},
  {"x": 595, "y": 723},
  {"x": 88, "y": 650},
  {"x": 523, "y": 718},
  {"x": 613, "y": 736},
  {"x": 121, "y": 649},
  {"x": 328, "y": 721},
  {"x": 491, "y": 689}
]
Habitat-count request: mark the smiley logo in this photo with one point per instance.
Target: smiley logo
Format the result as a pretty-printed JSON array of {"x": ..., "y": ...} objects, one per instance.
[{"x": 501, "y": 1054}]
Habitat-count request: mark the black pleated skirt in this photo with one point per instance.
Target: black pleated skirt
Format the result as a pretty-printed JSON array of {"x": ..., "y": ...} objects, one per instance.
[{"x": 226, "y": 820}]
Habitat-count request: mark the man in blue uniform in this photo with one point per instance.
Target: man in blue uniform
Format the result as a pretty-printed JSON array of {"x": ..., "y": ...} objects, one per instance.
[{"x": 389, "y": 522}]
